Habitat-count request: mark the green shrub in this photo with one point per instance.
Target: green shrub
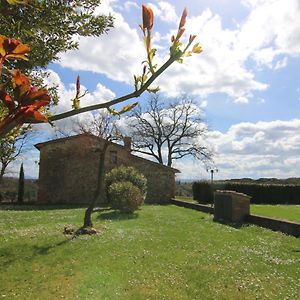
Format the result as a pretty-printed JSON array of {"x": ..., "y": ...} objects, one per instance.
[
  {"x": 129, "y": 174},
  {"x": 125, "y": 196},
  {"x": 203, "y": 192},
  {"x": 260, "y": 193}
]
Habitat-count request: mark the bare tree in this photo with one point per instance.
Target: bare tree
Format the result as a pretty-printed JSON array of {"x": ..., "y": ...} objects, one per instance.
[
  {"x": 104, "y": 126},
  {"x": 169, "y": 132}
]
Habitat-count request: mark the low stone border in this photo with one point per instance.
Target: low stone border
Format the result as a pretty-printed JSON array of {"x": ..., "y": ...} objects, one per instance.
[
  {"x": 196, "y": 206},
  {"x": 287, "y": 227}
]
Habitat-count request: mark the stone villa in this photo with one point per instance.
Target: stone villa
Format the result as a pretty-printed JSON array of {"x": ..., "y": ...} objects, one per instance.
[{"x": 68, "y": 170}]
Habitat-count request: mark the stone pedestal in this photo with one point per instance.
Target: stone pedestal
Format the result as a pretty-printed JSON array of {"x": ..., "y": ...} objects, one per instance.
[{"x": 231, "y": 206}]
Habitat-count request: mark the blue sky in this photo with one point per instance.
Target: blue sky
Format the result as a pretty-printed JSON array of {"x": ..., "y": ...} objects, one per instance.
[{"x": 247, "y": 78}]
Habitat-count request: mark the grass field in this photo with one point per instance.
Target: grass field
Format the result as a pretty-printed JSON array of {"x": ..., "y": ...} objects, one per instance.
[
  {"x": 162, "y": 252},
  {"x": 285, "y": 212}
]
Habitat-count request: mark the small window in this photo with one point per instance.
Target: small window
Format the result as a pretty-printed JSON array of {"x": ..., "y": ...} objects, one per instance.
[{"x": 113, "y": 157}]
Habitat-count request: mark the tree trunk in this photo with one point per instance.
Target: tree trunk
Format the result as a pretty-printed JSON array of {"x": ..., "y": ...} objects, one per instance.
[
  {"x": 169, "y": 158},
  {"x": 2, "y": 171},
  {"x": 99, "y": 190}
]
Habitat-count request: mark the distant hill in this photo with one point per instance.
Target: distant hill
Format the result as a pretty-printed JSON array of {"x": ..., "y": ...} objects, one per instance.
[{"x": 293, "y": 180}]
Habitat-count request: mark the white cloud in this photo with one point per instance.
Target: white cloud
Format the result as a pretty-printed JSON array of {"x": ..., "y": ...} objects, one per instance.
[
  {"x": 128, "y": 5},
  {"x": 218, "y": 69},
  {"x": 118, "y": 54},
  {"x": 165, "y": 11},
  {"x": 262, "y": 149},
  {"x": 281, "y": 63},
  {"x": 66, "y": 94},
  {"x": 270, "y": 30},
  {"x": 242, "y": 100},
  {"x": 267, "y": 36}
]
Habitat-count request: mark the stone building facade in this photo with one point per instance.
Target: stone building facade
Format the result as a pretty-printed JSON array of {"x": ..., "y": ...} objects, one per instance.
[{"x": 68, "y": 170}]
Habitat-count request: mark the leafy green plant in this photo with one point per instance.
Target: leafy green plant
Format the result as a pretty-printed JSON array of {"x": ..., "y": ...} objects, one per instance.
[
  {"x": 260, "y": 193},
  {"x": 203, "y": 192},
  {"x": 129, "y": 174},
  {"x": 125, "y": 196}
]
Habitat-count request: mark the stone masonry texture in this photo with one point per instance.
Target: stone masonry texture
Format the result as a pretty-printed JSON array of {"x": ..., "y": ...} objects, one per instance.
[{"x": 69, "y": 166}]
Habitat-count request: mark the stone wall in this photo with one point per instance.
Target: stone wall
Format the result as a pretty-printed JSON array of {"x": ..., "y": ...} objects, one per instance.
[
  {"x": 63, "y": 177},
  {"x": 160, "y": 180},
  {"x": 69, "y": 168},
  {"x": 287, "y": 227}
]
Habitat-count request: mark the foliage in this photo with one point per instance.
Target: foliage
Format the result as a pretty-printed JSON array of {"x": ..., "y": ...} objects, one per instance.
[
  {"x": 49, "y": 27},
  {"x": 129, "y": 174},
  {"x": 203, "y": 192},
  {"x": 260, "y": 193},
  {"x": 164, "y": 252},
  {"x": 125, "y": 196}
]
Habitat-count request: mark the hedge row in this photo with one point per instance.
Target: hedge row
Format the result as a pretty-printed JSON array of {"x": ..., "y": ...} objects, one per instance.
[{"x": 260, "y": 193}]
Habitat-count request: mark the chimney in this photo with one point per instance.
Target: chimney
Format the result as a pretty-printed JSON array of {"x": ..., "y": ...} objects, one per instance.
[{"x": 127, "y": 143}]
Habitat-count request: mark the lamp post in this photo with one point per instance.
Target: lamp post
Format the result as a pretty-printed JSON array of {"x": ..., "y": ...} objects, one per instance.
[{"x": 212, "y": 171}]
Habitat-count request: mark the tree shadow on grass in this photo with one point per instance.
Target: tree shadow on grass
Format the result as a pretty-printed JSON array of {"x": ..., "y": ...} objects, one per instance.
[
  {"x": 35, "y": 251},
  {"x": 115, "y": 215},
  {"x": 43, "y": 250}
]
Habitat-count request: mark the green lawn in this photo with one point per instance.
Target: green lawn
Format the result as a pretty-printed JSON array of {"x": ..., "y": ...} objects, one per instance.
[
  {"x": 285, "y": 212},
  {"x": 162, "y": 252}
]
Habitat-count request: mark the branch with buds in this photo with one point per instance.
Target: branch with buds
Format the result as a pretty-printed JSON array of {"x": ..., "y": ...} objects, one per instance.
[
  {"x": 27, "y": 103},
  {"x": 78, "y": 95}
]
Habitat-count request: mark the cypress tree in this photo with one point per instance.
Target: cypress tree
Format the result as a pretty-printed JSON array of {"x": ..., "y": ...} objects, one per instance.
[{"x": 21, "y": 185}]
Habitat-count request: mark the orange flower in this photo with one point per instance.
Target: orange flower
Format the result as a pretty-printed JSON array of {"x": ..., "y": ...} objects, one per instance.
[
  {"x": 148, "y": 17},
  {"x": 12, "y": 49}
]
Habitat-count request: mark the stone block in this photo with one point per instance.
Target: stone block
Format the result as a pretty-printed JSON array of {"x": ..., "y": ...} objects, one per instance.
[{"x": 231, "y": 206}]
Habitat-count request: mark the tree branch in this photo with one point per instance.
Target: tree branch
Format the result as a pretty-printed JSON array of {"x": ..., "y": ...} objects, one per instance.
[{"x": 135, "y": 94}]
